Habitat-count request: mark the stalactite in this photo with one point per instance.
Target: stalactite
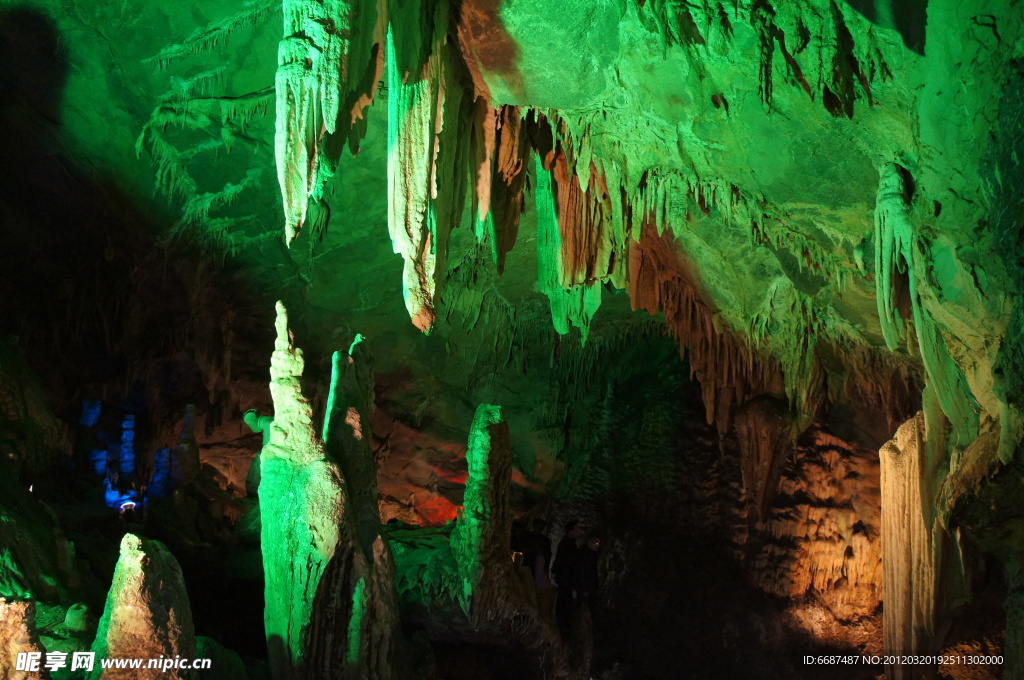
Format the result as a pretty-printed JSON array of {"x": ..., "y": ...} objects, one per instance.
[
  {"x": 571, "y": 305},
  {"x": 486, "y": 141},
  {"x": 507, "y": 182},
  {"x": 585, "y": 249},
  {"x": 761, "y": 428},
  {"x": 428, "y": 152},
  {"x": 322, "y": 63},
  {"x": 728, "y": 372},
  {"x": 216, "y": 33},
  {"x": 788, "y": 313},
  {"x": 884, "y": 381},
  {"x": 897, "y": 249},
  {"x": 308, "y": 96}
]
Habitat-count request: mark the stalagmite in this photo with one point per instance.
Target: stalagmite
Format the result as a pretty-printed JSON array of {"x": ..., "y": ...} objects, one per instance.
[
  {"x": 466, "y": 582},
  {"x": 301, "y": 506},
  {"x": 322, "y": 585},
  {"x": 18, "y": 636},
  {"x": 147, "y": 614},
  {"x": 480, "y": 541},
  {"x": 922, "y": 575},
  {"x": 374, "y": 618}
]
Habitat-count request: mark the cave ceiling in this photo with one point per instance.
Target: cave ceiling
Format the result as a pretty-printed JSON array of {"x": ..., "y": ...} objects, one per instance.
[{"x": 816, "y": 197}]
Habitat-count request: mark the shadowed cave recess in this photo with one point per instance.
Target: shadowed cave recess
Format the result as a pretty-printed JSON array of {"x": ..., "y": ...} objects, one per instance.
[{"x": 511, "y": 339}]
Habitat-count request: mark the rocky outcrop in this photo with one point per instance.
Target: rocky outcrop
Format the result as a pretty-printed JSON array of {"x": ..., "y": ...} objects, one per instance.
[
  {"x": 822, "y": 538},
  {"x": 147, "y": 614},
  {"x": 18, "y": 636}
]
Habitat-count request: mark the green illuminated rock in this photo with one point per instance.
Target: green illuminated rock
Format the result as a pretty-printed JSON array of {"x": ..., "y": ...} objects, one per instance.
[
  {"x": 323, "y": 584},
  {"x": 480, "y": 541},
  {"x": 818, "y": 199}
]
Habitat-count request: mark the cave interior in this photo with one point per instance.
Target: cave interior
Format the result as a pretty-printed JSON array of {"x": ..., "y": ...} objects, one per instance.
[{"x": 512, "y": 339}]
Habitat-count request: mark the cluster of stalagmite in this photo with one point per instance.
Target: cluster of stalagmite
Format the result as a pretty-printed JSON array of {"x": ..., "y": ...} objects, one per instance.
[{"x": 330, "y": 603}]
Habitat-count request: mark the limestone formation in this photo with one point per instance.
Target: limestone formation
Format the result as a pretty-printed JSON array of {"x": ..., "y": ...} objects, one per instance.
[
  {"x": 480, "y": 541},
  {"x": 18, "y": 636},
  {"x": 923, "y": 575},
  {"x": 808, "y": 209},
  {"x": 147, "y": 614},
  {"x": 329, "y": 596},
  {"x": 464, "y": 572}
]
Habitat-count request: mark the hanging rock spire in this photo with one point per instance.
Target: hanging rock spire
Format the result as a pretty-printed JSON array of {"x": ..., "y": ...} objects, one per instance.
[{"x": 322, "y": 88}]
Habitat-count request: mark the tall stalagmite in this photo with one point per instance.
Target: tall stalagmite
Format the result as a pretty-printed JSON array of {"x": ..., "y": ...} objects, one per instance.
[
  {"x": 374, "y": 618},
  {"x": 329, "y": 602},
  {"x": 480, "y": 541},
  {"x": 921, "y": 565}
]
